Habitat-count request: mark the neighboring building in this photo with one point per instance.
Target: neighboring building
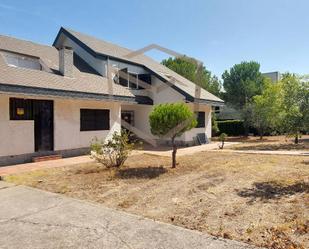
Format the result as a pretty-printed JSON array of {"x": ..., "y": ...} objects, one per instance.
[
  {"x": 227, "y": 112},
  {"x": 56, "y": 99},
  {"x": 274, "y": 76}
]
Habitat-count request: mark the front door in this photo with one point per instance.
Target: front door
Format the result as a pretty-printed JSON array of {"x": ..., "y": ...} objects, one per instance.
[{"x": 43, "y": 113}]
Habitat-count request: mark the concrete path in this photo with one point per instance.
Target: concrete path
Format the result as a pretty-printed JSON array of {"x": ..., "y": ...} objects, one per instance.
[
  {"x": 188, "y": 150},
  {"x": 31, "y": 218}
]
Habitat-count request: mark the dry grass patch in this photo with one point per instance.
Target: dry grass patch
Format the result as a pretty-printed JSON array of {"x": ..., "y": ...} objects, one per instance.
[
  {"x": 259, "y": 199},
  {"x": 270, "y": 143}
]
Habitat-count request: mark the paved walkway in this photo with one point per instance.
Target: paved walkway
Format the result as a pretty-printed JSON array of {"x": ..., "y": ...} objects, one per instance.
[
  {"x": 20, "y": 168},
  {"x": 31, "y": 218},
  {"x": 188, "y": 150}
]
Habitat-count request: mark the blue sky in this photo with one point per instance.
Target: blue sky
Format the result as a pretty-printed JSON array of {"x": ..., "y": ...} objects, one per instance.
[{"x": 218, "y": 32}]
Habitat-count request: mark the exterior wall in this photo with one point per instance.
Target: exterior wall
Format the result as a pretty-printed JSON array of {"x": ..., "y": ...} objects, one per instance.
[
  {"x": 16, "y": 136},
  {"x": 141, "y": 119},
  {"x": 161, "y": 93},
  {"x": 67, "y": 132},
  {"x": 141, "y": 122},
  {"x": 188, "y": 136}
]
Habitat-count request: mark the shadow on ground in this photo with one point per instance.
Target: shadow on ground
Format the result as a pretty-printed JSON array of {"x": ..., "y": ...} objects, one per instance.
[
  {"x": 264, "y": 191},
  {"x": 143, "y": 173}
]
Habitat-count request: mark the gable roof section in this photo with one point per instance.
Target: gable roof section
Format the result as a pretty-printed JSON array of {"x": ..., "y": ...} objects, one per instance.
[
  {"x": 100, "y": 48},
  {"x": 82, "y": 85}
]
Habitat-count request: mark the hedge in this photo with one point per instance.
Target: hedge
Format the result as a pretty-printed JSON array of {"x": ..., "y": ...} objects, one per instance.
[{"x": 231, "y": 127}]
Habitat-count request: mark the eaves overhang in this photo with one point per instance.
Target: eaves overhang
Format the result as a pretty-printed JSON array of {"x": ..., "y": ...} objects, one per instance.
[{"x": 37, "y": 91}]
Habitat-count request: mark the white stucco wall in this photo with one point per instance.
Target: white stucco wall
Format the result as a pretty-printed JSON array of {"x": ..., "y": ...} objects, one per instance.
[
  {"x": 67, "y": 123},
  {"x": 141, "y": 121},
  {"x": 16, "y": 136}
]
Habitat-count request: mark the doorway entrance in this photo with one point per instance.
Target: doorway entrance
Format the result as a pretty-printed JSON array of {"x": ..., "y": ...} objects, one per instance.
[{"x": 43, "y": 115}]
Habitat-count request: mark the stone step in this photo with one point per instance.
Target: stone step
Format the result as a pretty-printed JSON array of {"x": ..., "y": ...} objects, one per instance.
[{"x": 46, "y": 158}]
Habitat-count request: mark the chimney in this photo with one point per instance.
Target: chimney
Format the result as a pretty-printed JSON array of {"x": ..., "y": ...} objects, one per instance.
[{"x": 66, "y": 61}]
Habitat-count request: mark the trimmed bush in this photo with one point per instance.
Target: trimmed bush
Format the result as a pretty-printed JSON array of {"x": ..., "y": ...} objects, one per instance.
[{"x": 231, "y": 127}]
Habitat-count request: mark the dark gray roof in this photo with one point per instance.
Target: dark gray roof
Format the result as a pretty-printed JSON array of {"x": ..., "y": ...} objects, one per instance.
[
  {"x": 101, "y": 47},
  {"x": 81, "y": 83}
]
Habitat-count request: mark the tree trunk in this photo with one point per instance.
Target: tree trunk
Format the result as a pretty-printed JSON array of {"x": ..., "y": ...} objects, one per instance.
[
  {"x": 174, "y": 153},
  {"x": 261, "y": 134},
  {"x": 296, "y": 138}
]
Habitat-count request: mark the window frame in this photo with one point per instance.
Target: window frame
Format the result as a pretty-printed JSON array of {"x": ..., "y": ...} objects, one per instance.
[
  {"x": 200, "y": 115},
  {"x": 92, "y": 123}
]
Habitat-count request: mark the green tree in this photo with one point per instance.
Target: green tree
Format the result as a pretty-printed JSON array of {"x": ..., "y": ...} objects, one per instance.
[
  {"x": 241, "y": 83},
  {"x": 266, "y": 108},
  {"x": 295, "y": 105},
  {"x": 195, "y": 72},
  {"x": 171, "y": 121}
]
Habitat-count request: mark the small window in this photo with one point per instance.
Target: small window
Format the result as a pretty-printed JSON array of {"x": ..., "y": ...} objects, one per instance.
[
  {"x": 133, "y": 81},
  {"x": 200, "y": 120},
  {"x": 21, "y": 109},
  {"x": 19, "y": 60},
  {"x": 144, "y": 79},
  {"x": 94, "y": 119}
]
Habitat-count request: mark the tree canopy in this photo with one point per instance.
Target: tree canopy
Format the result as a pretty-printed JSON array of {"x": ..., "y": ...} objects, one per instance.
[
  {"x": 242, "y": 82},
  {"x": 171, "y": 121},
  {"x": 266, "y": 108},
  {"x": 195, "y": 72},
  {"x": 295, "y": 105}
]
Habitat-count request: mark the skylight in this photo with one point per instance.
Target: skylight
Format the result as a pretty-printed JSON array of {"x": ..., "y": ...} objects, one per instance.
[{"x": 20, "y": 60}]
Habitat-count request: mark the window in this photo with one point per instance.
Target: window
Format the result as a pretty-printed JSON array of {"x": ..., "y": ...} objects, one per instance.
[
  {"x": 94, "y": 119},
  {"x": 144, "y": 79},
  {"x": 200, "y": 120},
  {"x": 132, "y": 80},
  {"x": 19, "y": 60},
  {"x": 21, "y": 109}
]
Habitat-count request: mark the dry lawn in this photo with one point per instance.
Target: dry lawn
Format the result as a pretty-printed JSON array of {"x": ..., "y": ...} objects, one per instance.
[
  {"x": 260, "y": 199},
  {"x": 270, "y": 143}
]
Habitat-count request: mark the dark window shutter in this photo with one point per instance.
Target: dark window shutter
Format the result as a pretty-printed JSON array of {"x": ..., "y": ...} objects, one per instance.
[
  {"x": 94, "y": 119},
  {"x": 200, "y": 120}
]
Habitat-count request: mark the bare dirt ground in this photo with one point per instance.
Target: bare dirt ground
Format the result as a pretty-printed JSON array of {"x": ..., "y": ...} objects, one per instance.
[
  {"x": 260, "y": 199},
  {"x": 269, "y": 143}
]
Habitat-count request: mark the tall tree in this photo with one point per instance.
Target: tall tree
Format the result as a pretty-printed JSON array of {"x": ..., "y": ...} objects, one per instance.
[
  {"x": 241, "y": 83},
  {"x": 295, "y": 105},
  {"x": 195, "y": 72},
  {"x": 266, "y": 108}
]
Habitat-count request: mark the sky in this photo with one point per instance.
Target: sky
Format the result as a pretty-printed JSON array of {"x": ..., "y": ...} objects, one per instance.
[{"x": 220, "y": 33}]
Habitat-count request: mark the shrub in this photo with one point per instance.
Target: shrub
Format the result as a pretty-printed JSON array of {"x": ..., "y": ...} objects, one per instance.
[
  {"x": 222, "y": 138},
  {"x": 232, "y": 127},
  {"x": 214, "y": 125},
  {"x": 114, "y": 152}
]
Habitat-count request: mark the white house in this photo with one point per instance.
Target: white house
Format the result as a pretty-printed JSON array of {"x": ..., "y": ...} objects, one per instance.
[{"x": 56, "y": 99}]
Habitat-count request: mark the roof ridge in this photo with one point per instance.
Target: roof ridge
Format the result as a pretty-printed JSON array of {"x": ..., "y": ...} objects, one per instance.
[
  {"x": 24, "y": 40},
  {"x": 97, "y": 38}
]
